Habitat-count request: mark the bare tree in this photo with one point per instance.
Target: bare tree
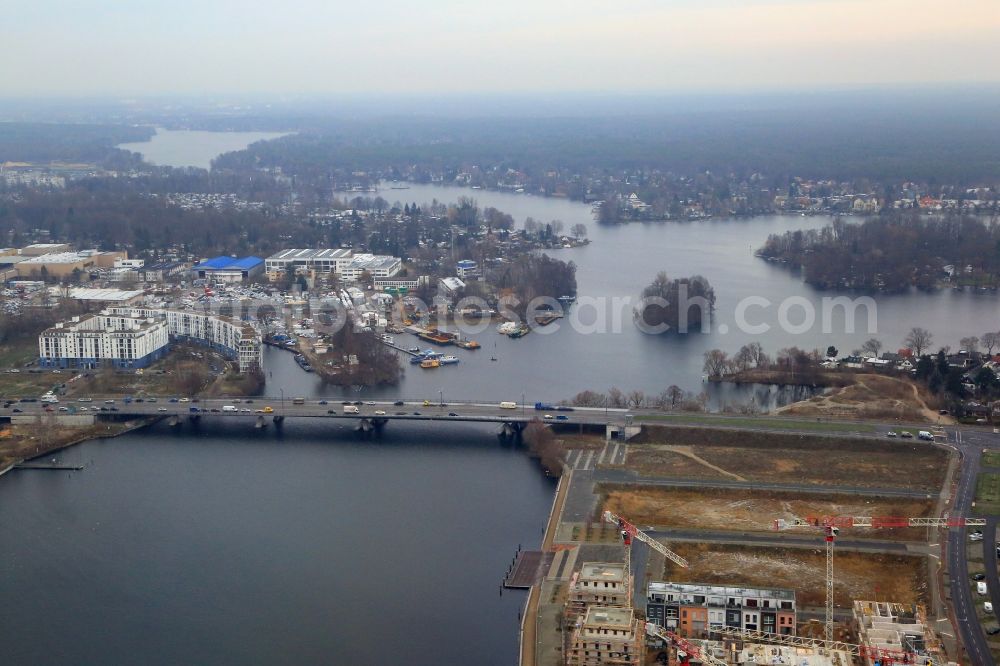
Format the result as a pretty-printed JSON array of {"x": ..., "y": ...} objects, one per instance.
[
  {"x": 579, "y": 230},
  {"x": 636, "y": 398},
  {"x": 717, "y": 363},
  {"x": 919, "y": 340},
  {"x": 872, "y": 346},
  {"x": 990, "y": 341},
  {"x": 676, "y": 394},
  {"x": 969, "y": 344},
  {"x": 616, "y": 398},
  {"x": 589, "y": 399}
]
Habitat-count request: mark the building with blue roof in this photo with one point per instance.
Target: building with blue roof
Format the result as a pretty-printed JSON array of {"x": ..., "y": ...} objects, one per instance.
[{"x": 229, "y": 269}]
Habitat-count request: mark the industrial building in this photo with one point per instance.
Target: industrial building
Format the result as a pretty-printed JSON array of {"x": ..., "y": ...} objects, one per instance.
[
  {"x": 466, "y": 268},
  {"x": 341, "y": 262},
  {"x": 94, "y": 341},
  {"x": 606, "y": 635},
  {"x": 64, "y": 264},
  {"x": 229, "y": 269},
  {"x": 690, "y": 609}
]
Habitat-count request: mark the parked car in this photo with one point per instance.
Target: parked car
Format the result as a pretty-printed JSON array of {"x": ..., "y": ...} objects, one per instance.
[
  {"x": 979, "y": 576},
  {"x": 891, "y": 433},
  {"x": 906, "y": 434}
]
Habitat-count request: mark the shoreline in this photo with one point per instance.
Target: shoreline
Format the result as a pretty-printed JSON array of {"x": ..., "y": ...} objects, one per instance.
[{"x": 139, "y": 425}]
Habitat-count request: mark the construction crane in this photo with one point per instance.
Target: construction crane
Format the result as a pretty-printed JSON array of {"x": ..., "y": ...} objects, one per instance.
[
  {"x": 683, "y": 645},
  {"x": 883, "y": 656},
  {"x": 628, "y": 531},
  {"x": 831, "y": 526}
]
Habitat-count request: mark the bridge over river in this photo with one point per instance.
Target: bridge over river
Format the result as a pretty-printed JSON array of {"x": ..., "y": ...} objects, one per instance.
[{"x": 370, "y": 415}]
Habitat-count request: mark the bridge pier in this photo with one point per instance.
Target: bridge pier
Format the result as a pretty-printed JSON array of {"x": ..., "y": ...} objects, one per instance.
[
  {"x": 174, "y": 421},
  {"x": 278, "y": 419},
  {"x": 365, "y": 428},
  {"x": 260, "y": 423},
  {"x": 511, "y": 431}
]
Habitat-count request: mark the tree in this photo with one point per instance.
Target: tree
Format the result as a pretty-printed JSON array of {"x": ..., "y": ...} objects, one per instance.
[
  {"x": 969, "y": 344},
  {"x": 831, "y": 352},
  {"x": 716, "y": 363},
  {"x": 590, "y": 399},
  {"x": 579, "y": 231},
  {"x": 918, "y": 339},
  {"x": 872, "y": 347},
  {"x": 676, "y": 394},
  {"x": 616, "y": 398},
  {"x": 680, "y": 306},
  {"x": 991, "y": 341},
  {"x": 636, "y": 398}
]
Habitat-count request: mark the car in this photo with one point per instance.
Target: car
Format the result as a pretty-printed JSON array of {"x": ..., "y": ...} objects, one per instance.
[
  {"x": 113, "y": 409},
  {"x": 268, "y": 410},
  {"x": 64, "y": 409},
  {"x": 891, "y": 433},
  {"x": 103, "y": 408},
  {"x": 399, "y": 403},
  {"x": 975, "y": 537},
  {"x": 400, "y": 413},
  {"x": 993, "y": 631},
  {"x": 175, "y": 400},
  {"x": 17, "y": 410},
  {"x": 346, "y": 402},
  {"x": 943, "y": 412},
  {"x": 357, "y": 403},
  {"x": 331, "y": 411},
  {"x": 161, "y": 409},
  {"x": 214, "y": 410},
  {"x": 427, "y": 403},
  {"x": 548, "y": 417},
  {"x": 379, "y": 412},
  {"x": 906, "y": 434},
  {"x": 562, "y": 417},
  {"x": 184, "y": 400},
  {"x": 249, "y": 402},
  {"x": 246, "y": 410},
  {"x": 416, "y": 413},
  {"x": 109, "y": 402},
  {"x": 370, "y": 402},
  {"x": 84, "y": 400},
  {"x": 979, "y": 576},
  {"x": 452, "y": 414},
  {"x": 322, "y": 402},
  {"x": 988, "y": 606},
  {"x": 194, "y": 400},
  {"x": 140, "y": 400},
  {"x": 258, "y": 411},
  {"x": 84, "y": 409}
]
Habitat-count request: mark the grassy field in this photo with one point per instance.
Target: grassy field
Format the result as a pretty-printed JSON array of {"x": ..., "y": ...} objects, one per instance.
[
  {"x": 754, "y": 510},
  {"x": 991, "y": 459},
  {"x": 988, "y": 494},
  {"x": 762, "y": 422},
  {"x": 703, "y": 453}
]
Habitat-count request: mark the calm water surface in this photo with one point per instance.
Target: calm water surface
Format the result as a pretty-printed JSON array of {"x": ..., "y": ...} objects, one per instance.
[
  {"x": 184, "y": 148},
  {"x": 237, "y": 546}
]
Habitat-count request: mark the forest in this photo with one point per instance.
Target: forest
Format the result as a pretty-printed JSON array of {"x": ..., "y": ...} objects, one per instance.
[{"x": 893, "y": 252}]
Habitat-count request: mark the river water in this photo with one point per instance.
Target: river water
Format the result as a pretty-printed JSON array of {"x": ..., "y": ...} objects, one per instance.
[
  {"x": 193, "y": 148},
  {"x": 237, "y": 546}
]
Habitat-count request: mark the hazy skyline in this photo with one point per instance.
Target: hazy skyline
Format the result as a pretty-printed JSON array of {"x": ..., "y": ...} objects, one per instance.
[{"x": 185, "y": 46}]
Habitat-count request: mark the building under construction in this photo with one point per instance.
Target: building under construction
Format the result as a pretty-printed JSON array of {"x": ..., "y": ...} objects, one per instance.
[
  {"x": 606, "y": 635},
  {"x": 896, "y": 628}
]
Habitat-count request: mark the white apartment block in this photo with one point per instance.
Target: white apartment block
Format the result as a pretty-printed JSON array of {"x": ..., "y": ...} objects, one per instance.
[
  {"x": 236, "y": 339},
  {"x": 92, "y": 341}
]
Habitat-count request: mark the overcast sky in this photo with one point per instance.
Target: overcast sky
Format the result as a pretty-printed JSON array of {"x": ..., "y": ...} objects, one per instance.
[{"x": 56, "y": 47}]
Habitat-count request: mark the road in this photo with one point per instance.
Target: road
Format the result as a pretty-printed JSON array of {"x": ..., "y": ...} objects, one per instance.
[
  {"x": 990, "y": 562},
  {"x": 784, "y": 540}
]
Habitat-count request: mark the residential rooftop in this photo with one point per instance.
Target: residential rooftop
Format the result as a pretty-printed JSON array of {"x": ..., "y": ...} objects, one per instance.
[
  {"x": 603, "y": 571},
  {"x": 663, "y": 587},
  {"x": 606, "y": 616}
]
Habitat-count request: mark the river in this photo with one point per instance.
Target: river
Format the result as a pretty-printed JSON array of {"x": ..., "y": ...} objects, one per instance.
[
  {"x": 237, "y": 546},
  {"x": 193, "y": 148}
]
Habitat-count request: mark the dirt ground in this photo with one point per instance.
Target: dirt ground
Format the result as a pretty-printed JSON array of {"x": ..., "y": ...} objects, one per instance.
[
  {"x": 856, "y": 575},
  {"x": 870, "y": 397},
  {"x": 740, "y": 510},
  {"x": 901, "y": 466},
  {"x": 23, "y": 441}
]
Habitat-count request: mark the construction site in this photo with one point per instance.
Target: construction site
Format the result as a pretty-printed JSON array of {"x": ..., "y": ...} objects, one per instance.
[{"x": 834, "y": 575}]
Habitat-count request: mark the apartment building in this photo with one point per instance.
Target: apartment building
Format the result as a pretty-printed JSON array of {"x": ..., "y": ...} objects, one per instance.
[
  {"x": 93, "y": 341},
  {"x": 606, "y": 635},
  {"x": 235, "y": 339},
  {"x": 893, "y": 628},
  {"x": 341, "y": 262},
  {"x": 690, "y": 609}
]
